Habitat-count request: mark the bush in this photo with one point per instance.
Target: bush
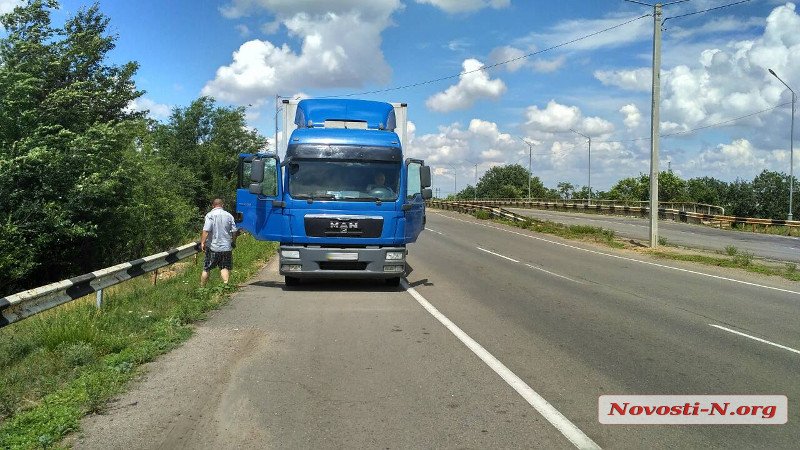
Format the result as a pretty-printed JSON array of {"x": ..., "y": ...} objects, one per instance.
[
  {"x": 731, "y": 250},
  {"x": 481, "y": 214}
]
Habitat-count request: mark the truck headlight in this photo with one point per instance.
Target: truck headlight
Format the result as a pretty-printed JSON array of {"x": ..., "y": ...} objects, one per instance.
[
  {"x": 290, "y": 254},
  {"x": 394, "y": 269},
  {"x": 395, "y": 256},
  {"x": 291, "y": 267}
]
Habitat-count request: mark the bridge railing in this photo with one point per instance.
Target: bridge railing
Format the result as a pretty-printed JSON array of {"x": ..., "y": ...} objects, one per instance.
[
  {"x": 31, "y": 302},
  {"x": 592, "y": 204},
  {"x": 490, "y": 205}
]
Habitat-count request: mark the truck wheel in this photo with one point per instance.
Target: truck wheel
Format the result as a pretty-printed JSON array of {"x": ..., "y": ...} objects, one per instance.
[
  {"x": 393, "y": 281},
  {"x": 291, "y": 281}
]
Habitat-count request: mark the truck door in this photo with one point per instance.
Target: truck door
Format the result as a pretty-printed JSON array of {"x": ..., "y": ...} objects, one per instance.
[
  {"x": 259, "y": 205},
  {"x": 417, "y": 179}
]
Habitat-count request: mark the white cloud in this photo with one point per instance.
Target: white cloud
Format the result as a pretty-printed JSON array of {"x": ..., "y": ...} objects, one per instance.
[
  {"x": 288, "y": 8},
  {"x": 506, "y": 53},
  {"x": 553, "y": 118},
  {"x": 739, "y": 158},
  {"x": 471, "y": 87},
  {"x": 156, "y": 110},
  {"x": 463, "y": 6},
  {"x": 632, "y": 115},
  {"x": 633, "y": 80},
  {"x": 572, "y": 29},
  {"x": 548, "y": 65},
  {"x": 500, "y": 54},
  {"x": 6, "y": 6},
  {"x": 733, "y": 81},
  {"x": 243, "y": 30},
  {"x": 338, "y": 41}
]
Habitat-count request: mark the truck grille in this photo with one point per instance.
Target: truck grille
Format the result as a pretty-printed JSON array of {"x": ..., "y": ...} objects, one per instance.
[{"x": 331, "y": 225}]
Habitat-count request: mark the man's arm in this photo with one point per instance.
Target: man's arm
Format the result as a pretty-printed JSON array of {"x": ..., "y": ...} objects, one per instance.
[{"x": 203, "y": 238}]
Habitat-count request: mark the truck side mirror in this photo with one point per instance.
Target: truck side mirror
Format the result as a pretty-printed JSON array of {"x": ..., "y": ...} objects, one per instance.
[
  {"x": 425, "y": 176},
  {"x": 255, "y": 188},
  {"x": 427, "y": 194},
  {"x": 257, "y": 173}
]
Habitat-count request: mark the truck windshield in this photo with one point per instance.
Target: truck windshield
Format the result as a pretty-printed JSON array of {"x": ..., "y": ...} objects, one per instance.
[{"x": 344, "y": 180}]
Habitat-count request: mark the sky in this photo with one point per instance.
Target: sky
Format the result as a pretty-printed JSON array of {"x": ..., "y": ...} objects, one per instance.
[{"x": 722, "y": 114}]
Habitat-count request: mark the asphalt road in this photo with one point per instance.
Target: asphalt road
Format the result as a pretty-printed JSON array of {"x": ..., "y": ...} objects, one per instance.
[
  {"x": 769, "y": 246},
  {"x": 354, "y": 364}
]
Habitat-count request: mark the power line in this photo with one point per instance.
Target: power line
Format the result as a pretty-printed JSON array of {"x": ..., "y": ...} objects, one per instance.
[
  {"x": 485, "y": 67},
  {"x": 706, "y": 10}
]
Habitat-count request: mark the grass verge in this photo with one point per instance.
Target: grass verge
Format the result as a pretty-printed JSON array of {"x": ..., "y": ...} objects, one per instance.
[
  {"x": 736, "y": 259},
  {"x": 582, "y": 232},
  {"x": 60, "y": 365}
]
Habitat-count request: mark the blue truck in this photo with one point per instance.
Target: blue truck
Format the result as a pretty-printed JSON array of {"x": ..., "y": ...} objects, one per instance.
[{"x": 343, "y": 202}]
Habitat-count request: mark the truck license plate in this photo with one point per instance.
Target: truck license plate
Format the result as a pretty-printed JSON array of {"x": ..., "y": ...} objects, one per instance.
[{"x": 342, "y": 256}]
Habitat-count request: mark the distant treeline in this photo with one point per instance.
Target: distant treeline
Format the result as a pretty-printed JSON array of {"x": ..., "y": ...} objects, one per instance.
[
  {"x": 84, "y": 181},
  {"x": 766, "y": 196}
]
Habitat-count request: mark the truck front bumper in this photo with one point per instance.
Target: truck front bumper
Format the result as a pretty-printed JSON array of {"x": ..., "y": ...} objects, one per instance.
[{"x": 342, "y": 262}]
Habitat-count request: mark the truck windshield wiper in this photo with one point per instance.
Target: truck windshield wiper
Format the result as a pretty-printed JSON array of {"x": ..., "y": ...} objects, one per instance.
[
  {"x": 313, "y": 197},
  {"x": 365, "y": 199}
]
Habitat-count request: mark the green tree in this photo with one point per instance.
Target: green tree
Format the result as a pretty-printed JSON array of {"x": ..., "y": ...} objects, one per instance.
[
  {"x": 706, "y": 190},
  {"x": 80, "y": 187},
  {"x": 509, "y": 181},
  {"x": 671, "y": 188},
  {"x": 740, "y": 199},
  {"x": 771, "y": 193},
  {"x": 206, "y": 139},
  {"x": 468, "y": 193},
  {"x": 630, "y": 189},
  {"x": 565, "y": 190}
]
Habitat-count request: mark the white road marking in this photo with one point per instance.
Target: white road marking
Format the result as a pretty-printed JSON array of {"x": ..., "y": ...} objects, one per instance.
[
  {"x": 548, "y": 411},
  {"x": 497, "y": 254},
  {"x": 437, "y": 232},
  {"x": 553, "y": 274},
  {"x": 626, "y": 258},
  {"x": 529, "y": 265},
  {"x": 756, "y": 338}
]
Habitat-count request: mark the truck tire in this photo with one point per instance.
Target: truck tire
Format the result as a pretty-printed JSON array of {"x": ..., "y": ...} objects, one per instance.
[
  {"x": 291, "y": 281},
  {"x": 393, "y": 281}
]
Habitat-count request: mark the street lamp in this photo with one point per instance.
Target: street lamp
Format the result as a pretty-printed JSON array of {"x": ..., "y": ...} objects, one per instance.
[
  {"x": 791, "y": 144},
  {"x": 455, "y": 178},
  {"x": 590, "y": 162},
  {"x": 530, "y": 156}
]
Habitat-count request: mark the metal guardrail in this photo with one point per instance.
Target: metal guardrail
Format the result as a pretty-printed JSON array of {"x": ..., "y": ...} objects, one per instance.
[
  {"x": 594, "y": 204},
  {"x": 664, "y": 213},
  {"x": 31, "y": 302}
]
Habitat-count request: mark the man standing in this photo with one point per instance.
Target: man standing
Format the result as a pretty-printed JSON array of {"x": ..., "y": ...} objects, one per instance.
[{"x": 221, "y": 229}]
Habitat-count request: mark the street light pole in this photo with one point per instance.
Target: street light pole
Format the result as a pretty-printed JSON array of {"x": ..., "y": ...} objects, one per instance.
[
  {"x": 475, "y": 191},
  {"x": 791, "y": 144},
  {"x": 455, "y": 179},
  {"x": 530, "y": 162},
  {"x": 590, "y": 162}
]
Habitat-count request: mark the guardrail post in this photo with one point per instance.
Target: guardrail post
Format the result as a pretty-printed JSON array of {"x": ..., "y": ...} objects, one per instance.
[{"x": 99, "y": 301}]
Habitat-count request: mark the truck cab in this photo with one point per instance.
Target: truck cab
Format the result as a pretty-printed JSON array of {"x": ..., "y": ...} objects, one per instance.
[{"x": 343, "y": 201}]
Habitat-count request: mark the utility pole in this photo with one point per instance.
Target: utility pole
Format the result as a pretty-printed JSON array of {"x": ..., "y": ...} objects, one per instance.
[
  {"x": 475, "y": 191},
  {"x": 791, "y": 144},
  {"x": 590, "y": 162},
  {"x": 530, "y": 161},
  {"x": 455, "y": 179},
  {"x": 654, "y": 125}
]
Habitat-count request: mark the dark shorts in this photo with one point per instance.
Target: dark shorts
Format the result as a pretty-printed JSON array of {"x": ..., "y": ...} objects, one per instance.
[{"x": 223, "y": 260}]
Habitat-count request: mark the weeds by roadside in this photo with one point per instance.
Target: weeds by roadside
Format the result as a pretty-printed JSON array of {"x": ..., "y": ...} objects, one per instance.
[{"x": 64, "y": 363}]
